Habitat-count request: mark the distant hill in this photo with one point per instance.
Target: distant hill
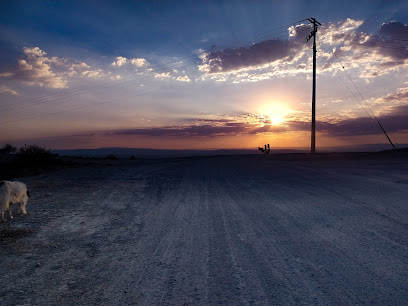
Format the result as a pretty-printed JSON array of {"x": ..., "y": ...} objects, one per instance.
[{"x": 156, "y": 153}]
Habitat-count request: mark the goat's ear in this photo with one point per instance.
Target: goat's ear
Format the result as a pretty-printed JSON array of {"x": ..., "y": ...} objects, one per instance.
[{"x": 28, "y": 194}]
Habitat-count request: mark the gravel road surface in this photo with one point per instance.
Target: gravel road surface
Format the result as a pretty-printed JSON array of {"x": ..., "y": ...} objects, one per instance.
[{"x": 216, "y": 230}]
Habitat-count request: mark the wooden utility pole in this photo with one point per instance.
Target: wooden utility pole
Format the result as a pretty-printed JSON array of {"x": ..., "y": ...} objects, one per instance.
[{"x": 313, "y": 34}]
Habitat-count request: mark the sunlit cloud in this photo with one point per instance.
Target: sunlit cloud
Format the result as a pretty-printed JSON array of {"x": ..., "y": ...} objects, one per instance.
[
  {"x": 93, "y": 73},
  {"x": 162, "y": 75},
  {"x": 373, "y": 55},
  {"x": 53, "y": 72},
  {"x": 4, "y": 89},
  {"x": 139, "y": 62},
  {"x": 291, "y": 56},
  {"x": 120, "y": 60},
  {"x": 34, "y": 51},
  {"x": 401, "y": 96},
  {"x": 36, "y": 70},
  {"x": 348, "y": 124},
  {"x": 184, "y": 78},
  {"x": 256, "y": 55}
]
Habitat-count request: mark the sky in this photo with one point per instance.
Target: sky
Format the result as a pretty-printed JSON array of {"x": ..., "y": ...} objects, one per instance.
[{"x": 202, "y": 74}]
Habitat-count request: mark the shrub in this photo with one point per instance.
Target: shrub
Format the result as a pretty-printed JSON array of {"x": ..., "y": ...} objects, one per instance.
[
  {"x": 132, "y": 157},
  {"x": 34, "y": 153},
  {"x": 111, "y": 157},
  {"x": 8, "y": 148}
]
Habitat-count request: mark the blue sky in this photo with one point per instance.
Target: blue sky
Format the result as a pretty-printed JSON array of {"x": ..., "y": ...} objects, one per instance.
[{"x": 201, "y": 74}]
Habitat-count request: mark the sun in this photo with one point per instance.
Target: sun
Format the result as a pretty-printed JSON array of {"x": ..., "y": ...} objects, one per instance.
[{"x": 275, "y": 112}]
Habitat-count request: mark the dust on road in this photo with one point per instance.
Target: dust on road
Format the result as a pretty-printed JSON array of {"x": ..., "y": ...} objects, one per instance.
[{"x": 224, "y": 230}]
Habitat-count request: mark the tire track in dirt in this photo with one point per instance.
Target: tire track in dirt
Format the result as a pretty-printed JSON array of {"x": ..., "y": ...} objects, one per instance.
[{"x": 205, "y": 231}]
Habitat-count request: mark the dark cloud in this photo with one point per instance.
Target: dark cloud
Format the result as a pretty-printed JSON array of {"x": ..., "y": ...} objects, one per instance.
[
  {"x": 228, "y": 128},
  {"x": 188, "y": 130},
  {"x": 386, "y": 50},
  {"x": 391, "y": 43},
  {"x": 394, "y": 30},
  {"x": 395, "y": 120},
  {"x": 210, "y": 120},
  {"x": 260, "y": 53}
]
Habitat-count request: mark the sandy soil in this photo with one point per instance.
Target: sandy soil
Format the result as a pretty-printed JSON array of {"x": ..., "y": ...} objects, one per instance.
[{"x": 225, "y": 230}]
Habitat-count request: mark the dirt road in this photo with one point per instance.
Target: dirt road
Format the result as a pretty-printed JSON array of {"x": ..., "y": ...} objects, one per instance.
[{"x": 224, "y": 230}]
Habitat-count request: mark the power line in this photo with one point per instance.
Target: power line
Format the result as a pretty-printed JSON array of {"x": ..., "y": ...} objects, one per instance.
[
  {"x": 107, "y": 84},
  {"x": 81, "y": 89},
  {"x": 353, "y": 95},
  {"x": 286, "y": 25},
  {"x": 376, "y": 119},
  {"x": 83, "y": 107},
  {"x": 382, "y": 37},
  {"x": 369, "y": 35},
  {"x": 380, "y": 46},
  {"x": 98, "y": 88},
  {"x": 80, "y": 107}
]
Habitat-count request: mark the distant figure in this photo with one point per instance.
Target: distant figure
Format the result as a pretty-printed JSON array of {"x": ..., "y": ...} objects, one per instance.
[{"x": 13, "y": 193}]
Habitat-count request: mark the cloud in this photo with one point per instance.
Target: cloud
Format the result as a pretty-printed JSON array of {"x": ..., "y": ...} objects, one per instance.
[
  {"x": 35, "y": 70},
  {"x": 370, "y": 55},
  {"x": 34, "y": 51},
  {"x": 4, "y": 89},
  {"x": 395, "y": 30},
  {"x": 183, "y": 79},
  {"x": 138, "y": 62},
  {"x": 375, "y": 55},
  {"x": 393, "y": 120},
  {"x": 400, "y": 97},
  {"x": 97, "y": 73},
  {"x": 342, "y": 32},
  {"x": 163, "y": 75},
  {"x": 258, "y": 54},
  {"x": 120, "y": 60},
  {"x": 38, "y": 69}
]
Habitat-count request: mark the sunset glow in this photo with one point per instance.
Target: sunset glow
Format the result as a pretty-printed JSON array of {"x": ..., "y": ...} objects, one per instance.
[
  {"x": 153, "y": 76},
  {"x": 276, "y": 112}
]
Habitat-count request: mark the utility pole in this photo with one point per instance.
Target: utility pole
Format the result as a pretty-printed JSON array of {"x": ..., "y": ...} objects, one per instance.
[{"x": 313, "y": 34}]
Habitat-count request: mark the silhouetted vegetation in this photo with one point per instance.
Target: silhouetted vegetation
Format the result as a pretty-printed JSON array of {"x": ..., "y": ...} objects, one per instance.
[
  {"x": 35, "y": 154},
  {"x": 8, "y": 148},
  {"x": 28, "y": 160},
  {"x": 111, "y": 157},
  {"x": 132, "y": 157},
  {"x": 266, "y": 150}
]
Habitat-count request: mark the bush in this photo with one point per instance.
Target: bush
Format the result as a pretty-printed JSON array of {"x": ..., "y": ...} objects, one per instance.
[
  {"x": 132, "y": 157},
  {"x": 111, "y": 157},
  {"x": 34, "y": 153},
  {"x": 8, "y": 148}
]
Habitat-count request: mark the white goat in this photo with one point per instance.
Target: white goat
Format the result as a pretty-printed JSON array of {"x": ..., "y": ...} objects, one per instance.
[{"x": 13, "y": 193}]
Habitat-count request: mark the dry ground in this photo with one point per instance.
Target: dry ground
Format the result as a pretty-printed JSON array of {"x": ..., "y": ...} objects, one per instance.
[{"x": 224, "y": 230}]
